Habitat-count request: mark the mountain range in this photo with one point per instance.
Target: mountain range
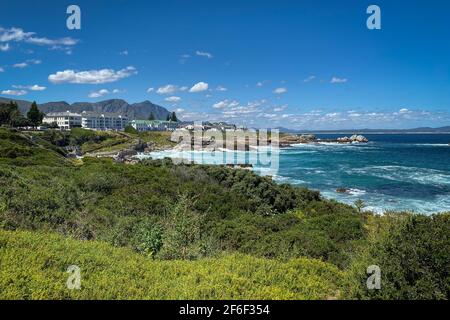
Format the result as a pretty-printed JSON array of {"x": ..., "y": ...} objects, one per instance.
[{"x": 141, "y": 110}]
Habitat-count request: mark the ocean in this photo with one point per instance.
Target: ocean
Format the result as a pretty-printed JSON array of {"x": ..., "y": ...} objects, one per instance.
[{"x": 391, "y": 172}]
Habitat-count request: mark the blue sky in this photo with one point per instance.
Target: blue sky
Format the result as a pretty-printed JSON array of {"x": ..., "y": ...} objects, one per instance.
[{"x": 297, "y": 64}]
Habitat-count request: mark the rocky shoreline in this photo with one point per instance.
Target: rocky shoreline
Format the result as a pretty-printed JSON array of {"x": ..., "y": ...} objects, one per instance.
[{"x": 289, "y": 140}]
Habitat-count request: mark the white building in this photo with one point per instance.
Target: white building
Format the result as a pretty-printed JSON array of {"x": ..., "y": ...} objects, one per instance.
[
  {"x": 64, "y": 120},
  {"x": 153, "y": 125},
  {"x": 103, "y": 121},
  {"x": 88, "y": 120}
]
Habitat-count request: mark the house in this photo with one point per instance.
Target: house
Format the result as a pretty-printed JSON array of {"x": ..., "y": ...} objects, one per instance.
[{"x": 153, "y": 125}]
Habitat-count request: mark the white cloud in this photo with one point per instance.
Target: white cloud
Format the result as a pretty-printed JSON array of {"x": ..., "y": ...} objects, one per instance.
[
  {"x": 280, "y": 108},
  {"x": 20, "y": 65},
  {"x": 98, "y": 94},
  {"x": 4, "y": 47},
  {"x": 13, "y": 34},
  {"x": 309, "y": 79},
  {"x": 183, "y": 58},
  {"x": 32, "y": 88},
  {"x": 220, "y": 88},
  {"x": 233, "y": 109},
  {"x": 2, "y": 70},
  {"x": 118, "y": 91},
  {"x": 204, "y": 54},
  {"x": 150, "y": 90},
  {"x": 179, "y": 110},
  {"x": 27, "y": 63},
  {"x": 184, "y": 88},
  {"x": 403, "y": 111},
  {"x": 338, "y": 80},
  {"x": 18, "y": 35},
  {"x": 225, "y": 104},
  {"x": 34, "y": 61},
  {"x": 123, "y": 53},
  {"x": 280, "y": 90},
  {"x": 173, "y": 99},
  {"x": 199, "y": 87},
  {"x": 91, "y": 76},
  {"x": 14, "y": 92},
  {"x": 51, "y": 42},
  {"x": 168, "y": 89}
]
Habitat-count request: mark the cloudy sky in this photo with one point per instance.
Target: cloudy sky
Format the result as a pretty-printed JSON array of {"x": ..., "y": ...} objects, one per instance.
[{"x": 296, "y": 64}]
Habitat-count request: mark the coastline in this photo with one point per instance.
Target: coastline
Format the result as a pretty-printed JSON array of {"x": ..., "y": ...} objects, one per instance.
[{"x": 412, "y": 177}]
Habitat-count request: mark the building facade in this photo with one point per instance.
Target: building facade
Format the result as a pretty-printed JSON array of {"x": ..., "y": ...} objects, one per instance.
[
  {"x": 88, "y": 120},
  {"x": 153, "y": 125},
  {"x": 64, "y": 120},
  {"x": 103, "y": 121}
]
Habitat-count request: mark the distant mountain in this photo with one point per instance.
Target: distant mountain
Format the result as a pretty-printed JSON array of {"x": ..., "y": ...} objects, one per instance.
[
  {"x": 24, "y": 106},
  {"x": 140, "y": 110}
]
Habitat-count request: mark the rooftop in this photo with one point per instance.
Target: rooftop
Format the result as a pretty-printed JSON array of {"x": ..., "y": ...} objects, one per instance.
[
  {"x": 151, "y": 121},
  {"x": 63, "y": 114}
]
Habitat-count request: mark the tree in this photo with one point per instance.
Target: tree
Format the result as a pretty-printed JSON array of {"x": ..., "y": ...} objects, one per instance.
[
  {"x": 130, "y": 129},
  {"x": 173, "y": 117},
  {"x": 34, "y": 115},
  {"x": 169, "y": 117},
  {"x": 151, "y": 117},
  {"x": 359, "y": 204},
  {"x": 11, "y": 116},
  {"x": 53, "y": 125}
]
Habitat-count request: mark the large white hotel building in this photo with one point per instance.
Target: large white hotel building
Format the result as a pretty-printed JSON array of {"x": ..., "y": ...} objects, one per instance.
[{"x": 88, "y": 120}]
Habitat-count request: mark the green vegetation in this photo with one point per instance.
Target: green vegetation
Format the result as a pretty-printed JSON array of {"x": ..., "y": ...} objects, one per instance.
[
  {"x": 103, "y": 141},
  {"x": 34, "y": 115},
  {"x": 130, "y": 129},
  {"x": 34, "y": 267},
  {"x": 11, "y": 116},
  {"x": 159, "y": 230},
  {"x": 413, "y": 254}
]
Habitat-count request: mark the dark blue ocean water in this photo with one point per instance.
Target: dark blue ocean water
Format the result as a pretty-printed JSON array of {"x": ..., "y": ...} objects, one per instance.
[{"x": 391, "y": 172}]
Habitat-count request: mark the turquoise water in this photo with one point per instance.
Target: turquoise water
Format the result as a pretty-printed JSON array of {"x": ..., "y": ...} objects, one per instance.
[{"x": 391, "y": 172}]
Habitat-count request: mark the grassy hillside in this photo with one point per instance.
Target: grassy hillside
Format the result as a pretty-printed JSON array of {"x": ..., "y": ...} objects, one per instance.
[
  {"x": 93, "y": 142},
  {"x": 21, "y": 149},
  {"x": 34, "y": 267}
]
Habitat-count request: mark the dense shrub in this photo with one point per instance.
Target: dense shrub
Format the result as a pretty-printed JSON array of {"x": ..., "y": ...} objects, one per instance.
[
  {"x": 34, "y": 267},
  {"x": 413, "y": 253}
]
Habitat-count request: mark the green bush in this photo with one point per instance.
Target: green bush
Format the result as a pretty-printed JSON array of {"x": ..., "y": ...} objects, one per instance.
[
  {"x": 34, "y": 266},
  {"x": 413, "y": 253}
]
